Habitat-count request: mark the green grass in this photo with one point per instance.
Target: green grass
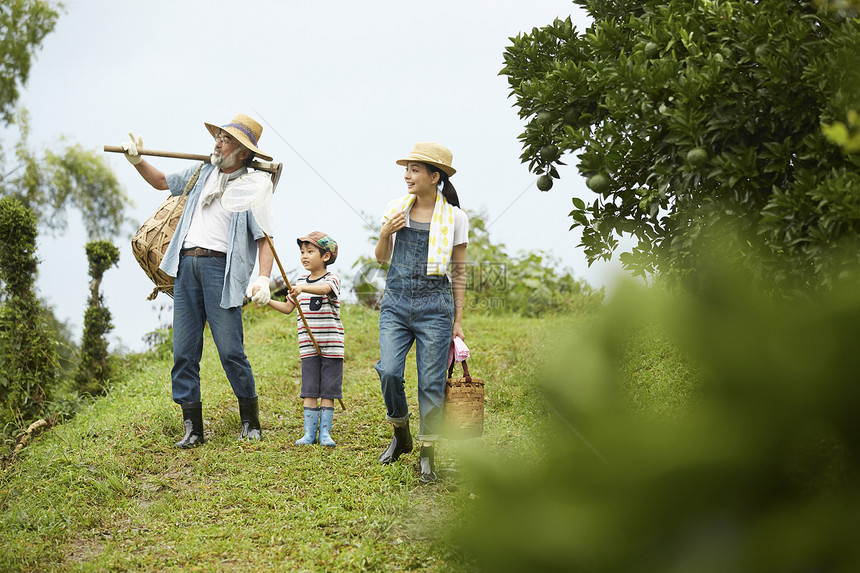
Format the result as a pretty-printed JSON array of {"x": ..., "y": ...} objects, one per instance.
[
  {"x": 656, "y": 377},
  {"x": 108, "y": 491}
]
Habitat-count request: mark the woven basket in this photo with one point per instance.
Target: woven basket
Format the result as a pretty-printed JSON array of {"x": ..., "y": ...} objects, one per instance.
[
  {"x": 464, "y": 404},
  {"x": 152, "y": 239}
]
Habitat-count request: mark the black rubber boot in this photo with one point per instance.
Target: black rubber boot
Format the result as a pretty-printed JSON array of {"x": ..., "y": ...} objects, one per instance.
[
  {"x": 192, "y": 417},
  {"x": 427, "y": 466},
  {"x": 249, "y": 414},
  {"x": 401, "y": 443}
]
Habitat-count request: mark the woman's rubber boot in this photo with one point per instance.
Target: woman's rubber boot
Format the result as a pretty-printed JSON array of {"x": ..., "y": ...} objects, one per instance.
[
  {"x": 427, "y": 466},
  {"x": 249, "y": 414},
  {"x": 326, "y": 418},
  {"x": 401, "y": 443},
  {"x": 312, "y": 420},
  {"x": 192, "y": 418}
]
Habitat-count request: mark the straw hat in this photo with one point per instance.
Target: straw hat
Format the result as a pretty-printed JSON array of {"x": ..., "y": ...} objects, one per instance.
[
  {"x": 244, "y": 129},
  {"x": 433, "y": 153}
]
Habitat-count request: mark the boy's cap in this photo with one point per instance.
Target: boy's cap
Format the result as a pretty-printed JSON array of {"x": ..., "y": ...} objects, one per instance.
[{"x": 322, "y": 241}]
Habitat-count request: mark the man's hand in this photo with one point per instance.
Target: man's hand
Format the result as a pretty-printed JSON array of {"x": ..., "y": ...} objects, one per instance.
[
  {"x": 259, "y": 291},
  {"x": 131, "y": 148}
]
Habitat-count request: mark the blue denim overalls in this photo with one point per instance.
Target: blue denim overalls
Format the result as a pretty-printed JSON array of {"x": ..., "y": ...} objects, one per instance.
[{"x": 415, "y": 307}]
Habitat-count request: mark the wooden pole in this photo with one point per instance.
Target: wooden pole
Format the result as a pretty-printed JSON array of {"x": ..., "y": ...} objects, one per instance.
[{"x": 258, "y": 165}]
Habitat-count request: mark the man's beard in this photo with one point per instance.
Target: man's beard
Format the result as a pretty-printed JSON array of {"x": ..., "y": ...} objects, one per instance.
[{"x": 221, "y": 161}]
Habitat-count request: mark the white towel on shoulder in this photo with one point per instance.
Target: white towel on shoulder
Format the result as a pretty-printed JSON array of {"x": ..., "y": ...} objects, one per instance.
[{"x": 441, "y": 231}]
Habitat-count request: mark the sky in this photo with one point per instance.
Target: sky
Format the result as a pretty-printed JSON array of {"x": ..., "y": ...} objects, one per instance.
[{"x": 342, "y": 89}]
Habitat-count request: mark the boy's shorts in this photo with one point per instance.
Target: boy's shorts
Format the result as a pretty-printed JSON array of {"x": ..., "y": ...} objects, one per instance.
[{"x": 322, "y": 378}]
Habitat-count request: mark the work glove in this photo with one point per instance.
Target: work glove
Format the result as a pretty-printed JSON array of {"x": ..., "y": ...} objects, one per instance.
[
  {"x": 263, "y": 295},
  {"x": 131, "y": 147}
]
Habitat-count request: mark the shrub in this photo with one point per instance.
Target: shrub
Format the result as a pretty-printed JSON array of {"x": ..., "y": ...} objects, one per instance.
[
  {"x": 94, "y": 367},
  {"x": 28, "y": 356}
]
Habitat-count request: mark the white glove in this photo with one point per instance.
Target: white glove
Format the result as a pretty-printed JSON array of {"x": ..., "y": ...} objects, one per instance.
[
  {"x": 262, "y": 296},
  {"x": 130, "y": 148}
]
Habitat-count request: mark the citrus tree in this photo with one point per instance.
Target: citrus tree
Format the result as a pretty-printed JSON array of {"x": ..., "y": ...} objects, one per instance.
[{"x": 690, "y": 115}]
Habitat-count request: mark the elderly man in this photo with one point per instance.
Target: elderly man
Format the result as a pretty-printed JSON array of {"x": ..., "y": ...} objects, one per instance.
[{"x": 212, "y": 255}]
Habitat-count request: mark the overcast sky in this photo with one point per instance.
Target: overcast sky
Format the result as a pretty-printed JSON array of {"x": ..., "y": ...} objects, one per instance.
[{"x": 342, "y": 89}]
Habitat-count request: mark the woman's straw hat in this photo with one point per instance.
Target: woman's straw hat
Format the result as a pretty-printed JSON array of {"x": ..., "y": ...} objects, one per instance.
[
  {"x": 244, "y": 129},
  {"x": 433, "y": 153}
]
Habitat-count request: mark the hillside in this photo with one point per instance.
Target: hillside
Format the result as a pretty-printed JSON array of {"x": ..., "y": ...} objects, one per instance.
[{"x": 108, "y": 491}]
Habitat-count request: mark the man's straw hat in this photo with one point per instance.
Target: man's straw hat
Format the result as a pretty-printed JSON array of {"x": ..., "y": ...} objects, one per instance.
[
  {"x": 245, "y": 130},
  {"x": 433, "y": 153}
]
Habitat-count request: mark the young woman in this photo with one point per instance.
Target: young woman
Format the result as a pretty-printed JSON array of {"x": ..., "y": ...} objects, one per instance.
[{"x": 424, "y": 234}]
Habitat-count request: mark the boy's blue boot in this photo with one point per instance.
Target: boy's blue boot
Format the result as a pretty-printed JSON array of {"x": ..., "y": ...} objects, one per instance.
[
  {"x": 326, "y": 418},
  {"x": 312, "y": 420}
]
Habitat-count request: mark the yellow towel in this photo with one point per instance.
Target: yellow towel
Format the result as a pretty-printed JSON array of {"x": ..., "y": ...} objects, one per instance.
[{"x": 441, "y": 232}]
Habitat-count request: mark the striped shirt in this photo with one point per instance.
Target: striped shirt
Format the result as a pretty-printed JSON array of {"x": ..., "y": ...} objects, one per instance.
[{"x": 322, "y": 311}]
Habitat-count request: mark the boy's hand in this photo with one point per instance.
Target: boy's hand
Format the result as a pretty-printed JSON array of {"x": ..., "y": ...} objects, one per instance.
[{"x": 295, "y": 291}]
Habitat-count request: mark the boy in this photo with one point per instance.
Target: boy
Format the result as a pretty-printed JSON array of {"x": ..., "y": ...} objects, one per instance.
[{"x": 318, "y": 293}]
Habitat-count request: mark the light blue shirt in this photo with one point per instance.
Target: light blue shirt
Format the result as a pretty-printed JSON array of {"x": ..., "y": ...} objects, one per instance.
[{"x": 241, "y": 245}]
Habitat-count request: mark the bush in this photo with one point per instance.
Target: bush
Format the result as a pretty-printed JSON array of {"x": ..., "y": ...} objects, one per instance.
[
  {"x": 28, "y": 356},
  {"x": 528, "y": 284},
  {"x": 94, "y": 368}
]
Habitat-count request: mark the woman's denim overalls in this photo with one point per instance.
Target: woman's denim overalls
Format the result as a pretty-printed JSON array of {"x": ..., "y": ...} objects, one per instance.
[{"x": 420, "y": 307}]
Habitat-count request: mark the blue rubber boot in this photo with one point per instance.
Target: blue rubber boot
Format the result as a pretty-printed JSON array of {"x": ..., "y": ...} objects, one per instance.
[
  {"x": 326, "y": 418},
  {"x": 312, "y": 420}
]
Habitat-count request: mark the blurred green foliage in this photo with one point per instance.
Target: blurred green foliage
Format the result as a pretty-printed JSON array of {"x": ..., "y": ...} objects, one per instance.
[
  {"x": 688, "y": 113},
  {"x": 757, "y": 471}
]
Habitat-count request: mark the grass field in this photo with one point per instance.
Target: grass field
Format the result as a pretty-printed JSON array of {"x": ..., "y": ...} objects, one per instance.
[
  {"x": 108, "y": 491},
  {"x": 663, "y": 433}
]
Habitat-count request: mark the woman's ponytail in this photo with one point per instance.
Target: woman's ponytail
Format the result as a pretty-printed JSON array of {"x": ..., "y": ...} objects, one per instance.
[{"x": 448, "y": 190}]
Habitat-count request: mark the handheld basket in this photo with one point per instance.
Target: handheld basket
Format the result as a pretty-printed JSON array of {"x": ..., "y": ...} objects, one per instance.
[{"x": 464, "y": 403}]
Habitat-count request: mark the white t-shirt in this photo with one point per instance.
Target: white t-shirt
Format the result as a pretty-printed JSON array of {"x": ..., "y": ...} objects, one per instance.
[
  {"x": 210, "y": 224},
  {"x": 322, "y": 311}
]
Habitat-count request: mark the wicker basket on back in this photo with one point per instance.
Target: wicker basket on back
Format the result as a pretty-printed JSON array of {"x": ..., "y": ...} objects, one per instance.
[{"x": 152, "y": 239}]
